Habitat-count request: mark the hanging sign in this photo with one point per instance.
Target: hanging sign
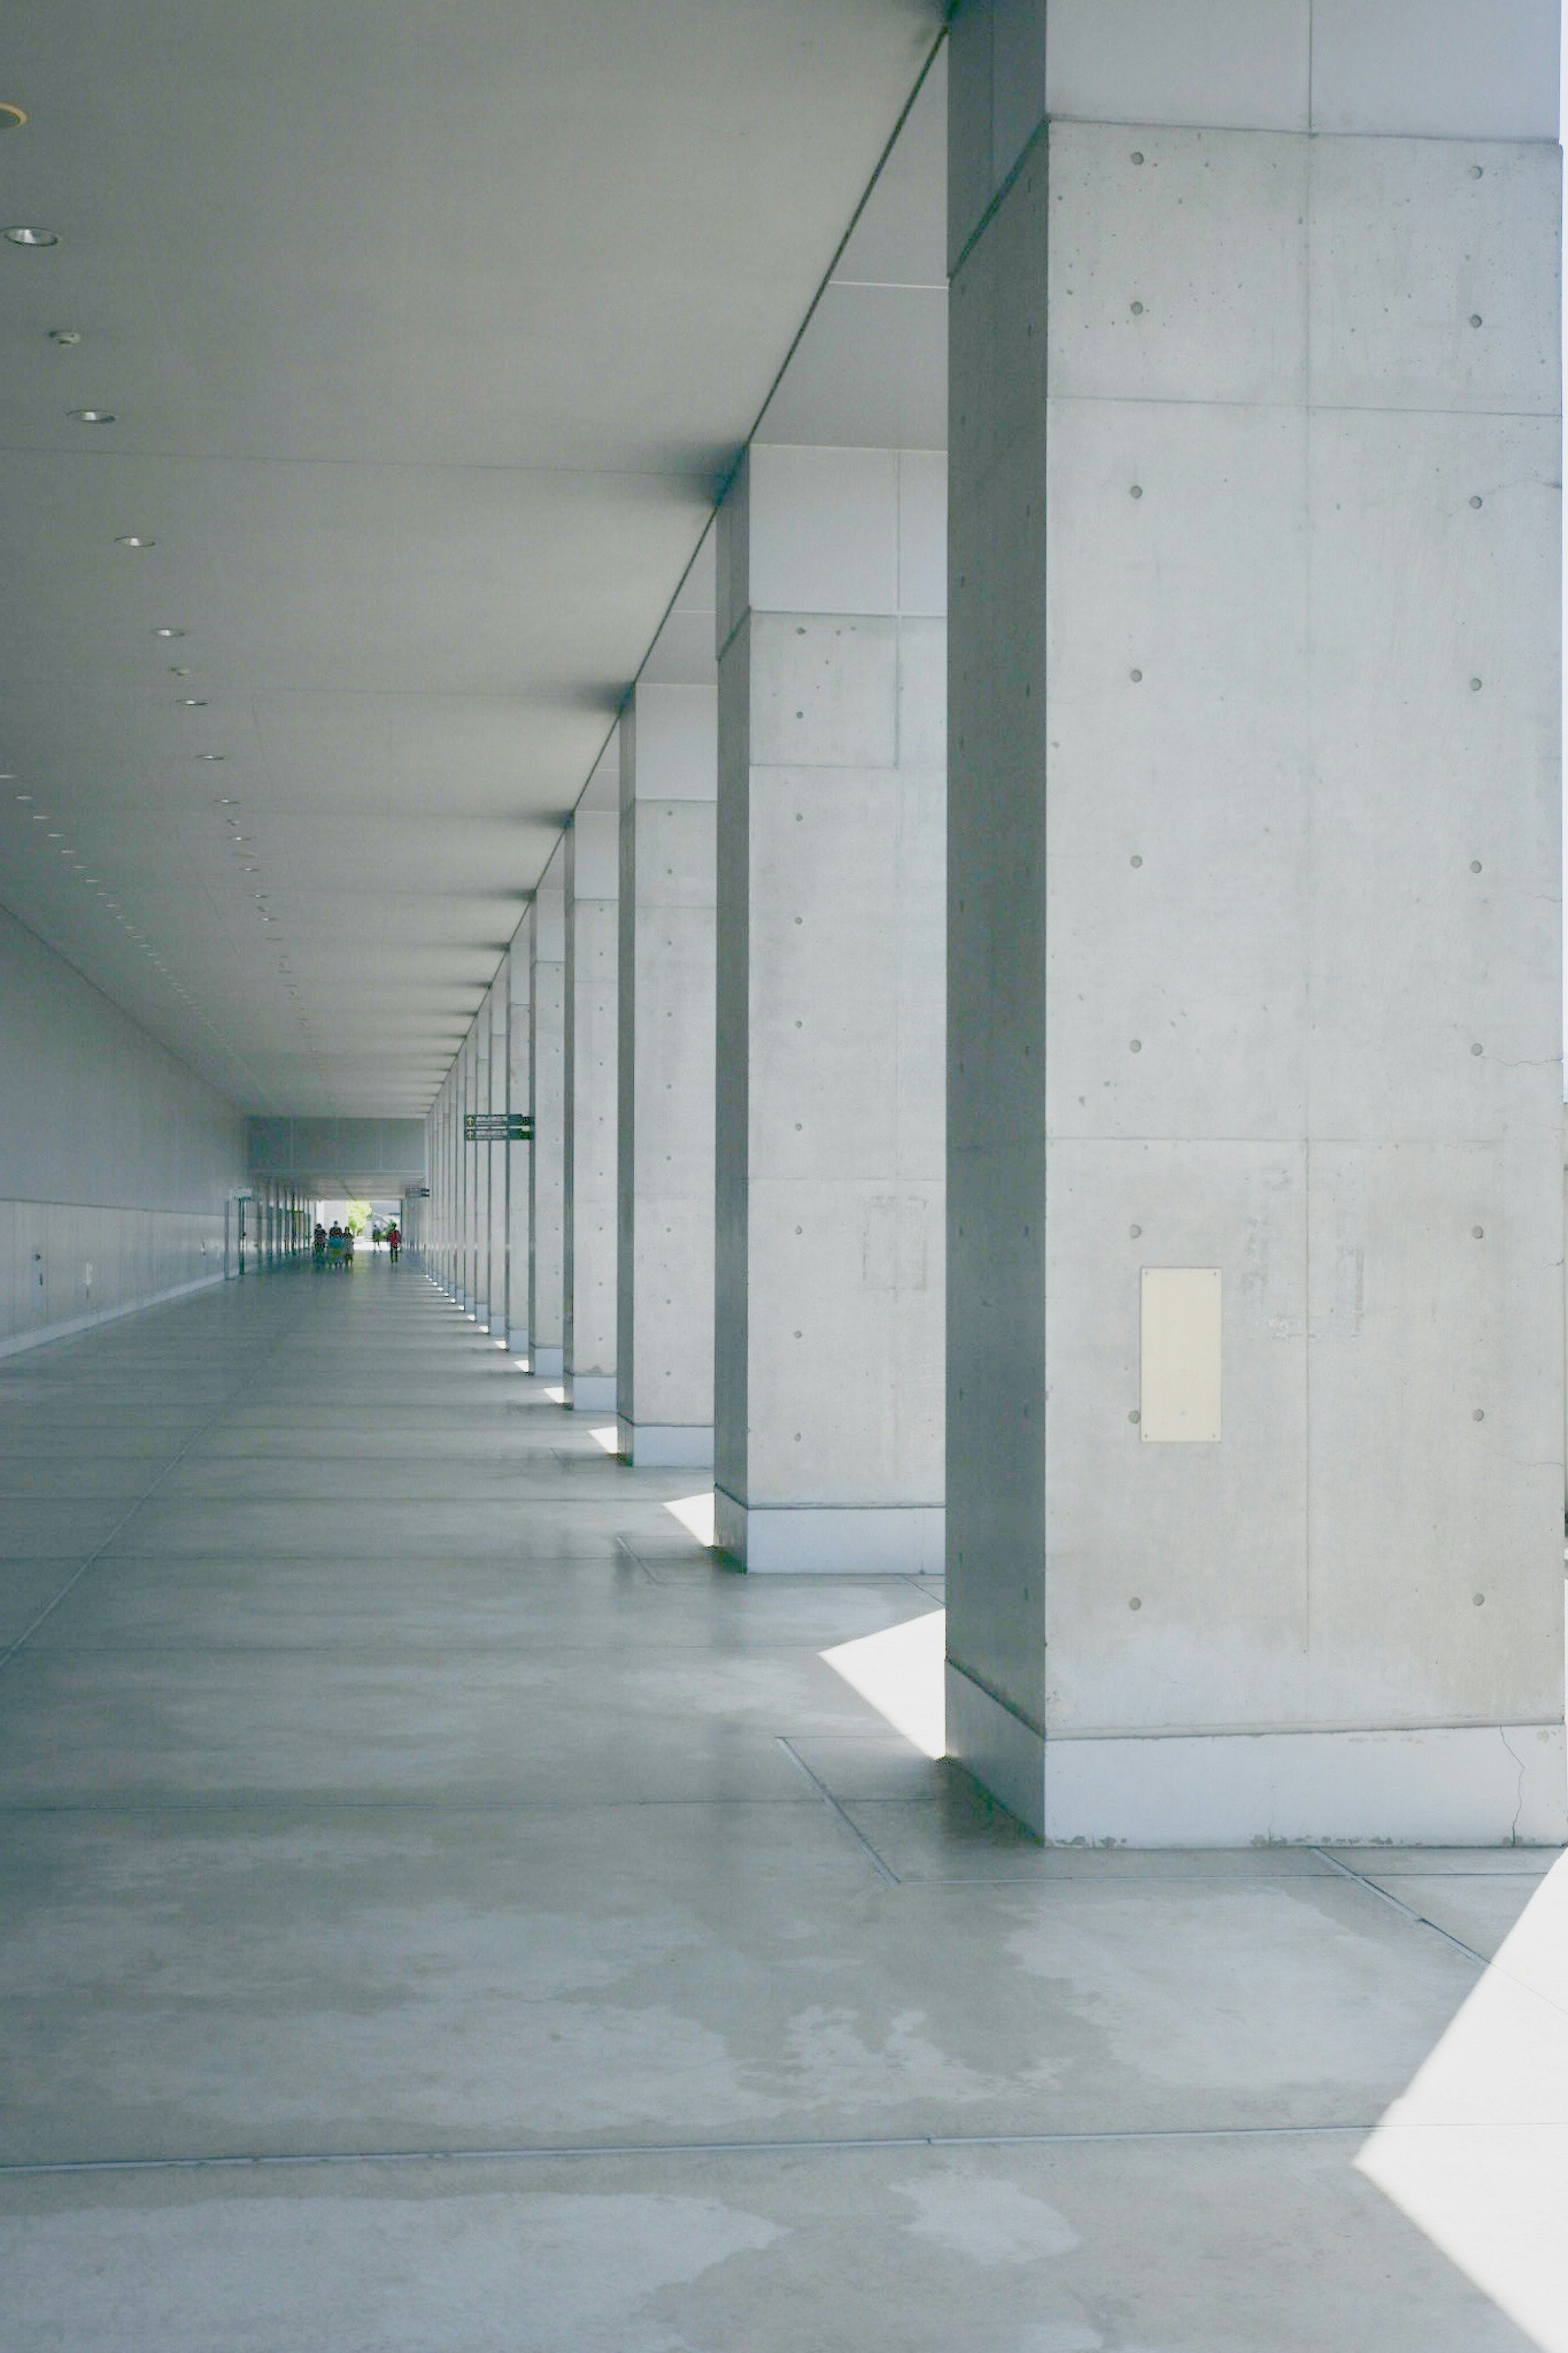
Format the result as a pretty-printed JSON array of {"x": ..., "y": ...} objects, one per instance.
[{"x": 497, "y": 1127}]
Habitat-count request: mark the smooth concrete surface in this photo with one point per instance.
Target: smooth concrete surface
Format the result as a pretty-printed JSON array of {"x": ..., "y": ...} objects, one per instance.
[
  {"x": 398, "y": 1800},
  {"x": 544, "y": 930},
  {"x": 589, "y": 1177},
  {"x": 499, "y": 1016},
  {"x": 520, "y": 982},
  {"x": 1256, "y": 647},
  {"x": 665, "y": 1038},
  {"x": 116, "y": 1180},
  {"x": 832, "y": 806}
]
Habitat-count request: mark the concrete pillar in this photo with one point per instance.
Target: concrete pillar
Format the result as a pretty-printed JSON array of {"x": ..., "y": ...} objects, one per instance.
[
  {"x": 519, "y": 1098},
  {"x": 479, "y": 1164},
  {"x": 828, "y": 1346},
  {"x": 592, "y": 886},
  {"x": 454, "y": 1196},
  {"x": 1255, "y": 1414},
  {"x": 496, "y": 1153},
  {"x": 459, "y": 1178},
  {"x": 479, "y": 1154},
  {"x": 664, "y": 1354},
  {"x": 547, "y": 1083}
]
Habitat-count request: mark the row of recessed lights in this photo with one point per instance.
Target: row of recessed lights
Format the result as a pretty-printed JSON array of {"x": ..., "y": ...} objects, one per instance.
[{"x": 11, "y": 117}]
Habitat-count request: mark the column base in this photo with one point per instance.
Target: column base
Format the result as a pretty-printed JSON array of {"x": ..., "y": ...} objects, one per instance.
[
  {"x": 1463, "y": 1785},
  {"x": 591, "y": 1392},
  {"x": 517, "y": 1339},
  {"x": 832, "y": 1540},
  {"x": 667, "y": 1445},
  {"x": 549, "y": 1363}
]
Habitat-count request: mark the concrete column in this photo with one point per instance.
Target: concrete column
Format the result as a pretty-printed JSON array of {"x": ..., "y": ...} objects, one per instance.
[
  {"x": 479, "y": 1154},
  {"x": 664, "y": 1354},
  {"x": 460, "y": 1176},
  {"x": 494, "y": 1305},
  {"x": 480, "y": 1161},
  {"x": 454, "y": 1196},
  {"x": 519, "y": 1098},
  {"x": 829, "y": 1324},
  {"x": 547, "y": 1083},
  {"x": 1254, "y": 1414},
  {"x": 593, "y": 886}
]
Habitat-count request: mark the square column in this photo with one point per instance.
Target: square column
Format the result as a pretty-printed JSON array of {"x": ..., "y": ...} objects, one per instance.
[
  {"x": 663, "y": 1362},
  {"x": 480, "y": 1155},
  {"x": 546, "y": 934},
  {"x": 518, "y": 1097},
  {"x": 1256, "y": 1349},
  {"x": 496, "y": 1155},
  {"x": 593, "y": 914},
  {"x": 473, "y": 1100},
  {"x": 829, "y": 1313}
]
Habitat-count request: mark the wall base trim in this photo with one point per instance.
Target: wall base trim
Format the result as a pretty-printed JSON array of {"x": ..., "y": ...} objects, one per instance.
[
  {"x": 667, "y": 1445},
  {"x": 74, "y": 1323},
  {"x": 832, "y": 1540},
  {"x": 1466, "y": 1785},
  {"x": 591, "y": 1392}
]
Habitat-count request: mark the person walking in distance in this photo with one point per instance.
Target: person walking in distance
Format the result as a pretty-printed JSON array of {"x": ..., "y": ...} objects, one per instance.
[{"x": 394, "y": 1239}]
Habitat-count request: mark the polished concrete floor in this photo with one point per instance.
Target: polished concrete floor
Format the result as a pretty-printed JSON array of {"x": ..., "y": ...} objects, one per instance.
[{"x": 443, "y": 1912}]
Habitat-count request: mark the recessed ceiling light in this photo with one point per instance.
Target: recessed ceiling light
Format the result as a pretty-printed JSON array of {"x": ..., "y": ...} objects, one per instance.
[
  {"x": 209, "y": 756},
  {"x": 40, "y": 818},
  {"x": 168, "y": 633},
  {"x": 91, "y": 415},
  {"x": 11, "y": 117},
  {"x": 192, "y": 702},
  {"x": 32, "y": 237},
  {"x": 24, "y": 797},
  {"x": 178, "y": 669},
  {"x": 65, "y": 336},
  {"x": 51, "y": 836},
  {"x": 133, "y": 539}
]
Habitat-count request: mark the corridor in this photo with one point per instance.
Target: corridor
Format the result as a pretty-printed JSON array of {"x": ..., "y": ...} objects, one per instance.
[{"x": 446, "y": 1912}]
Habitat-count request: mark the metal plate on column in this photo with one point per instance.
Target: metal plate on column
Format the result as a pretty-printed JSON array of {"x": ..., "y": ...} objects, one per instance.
[{"x": 1179, "y": 1319}]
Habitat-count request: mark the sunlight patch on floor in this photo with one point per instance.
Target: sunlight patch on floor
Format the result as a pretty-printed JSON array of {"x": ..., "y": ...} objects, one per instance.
[
  {"x": 608, "y": 1436},
  {"x": 1475, "y": 2151},
  {"x": 901, "y": 1672},
  {"x": 695, "y": 1513}
]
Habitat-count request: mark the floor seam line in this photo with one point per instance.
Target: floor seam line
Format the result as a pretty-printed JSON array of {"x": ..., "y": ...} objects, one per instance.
[
  {"x": 577, "y": 2151},
  {"x": 831, "y": 1802}
]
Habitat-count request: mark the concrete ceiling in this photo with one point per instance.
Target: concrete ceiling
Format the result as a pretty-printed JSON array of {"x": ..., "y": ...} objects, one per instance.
[{"x": 430, "y": 333}]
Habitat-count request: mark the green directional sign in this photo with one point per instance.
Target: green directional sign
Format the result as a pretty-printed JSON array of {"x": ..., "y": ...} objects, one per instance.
[{"x": 497, "y": 1127}]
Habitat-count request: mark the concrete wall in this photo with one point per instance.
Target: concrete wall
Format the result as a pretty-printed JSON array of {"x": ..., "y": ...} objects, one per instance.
[
  {"x": 1254, "y": 917},
  {"x": 364, "y": 1157},
  {"x": 116, "y": 1162}
]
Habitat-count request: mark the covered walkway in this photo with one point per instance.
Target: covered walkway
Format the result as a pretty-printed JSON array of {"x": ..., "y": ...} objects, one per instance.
[{"x": 396, "y": 1793}]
